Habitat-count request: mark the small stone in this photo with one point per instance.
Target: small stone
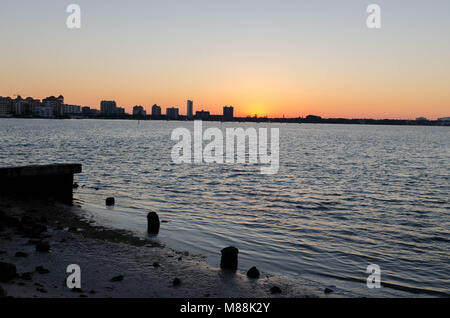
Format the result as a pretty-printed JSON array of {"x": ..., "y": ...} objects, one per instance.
[
  {"x": 110, "y": 201},
  {"x": 21, "y": 254},
  {"x": 75, "y": 185},
  {"x": 253, "y": 273},
  {"x": 26, "y": 276},
  {"x": 156, "y": 264},
  {"x": 42, "y": 290},
  {"x": 42, "y": 246},
  {"x": 117, "y": 278},
  {"x": 328, "y": 290},
  {"x": 42, "y": 270},
  {"x": 275, "y": 290},
  {"x": 176, "y": 282}
]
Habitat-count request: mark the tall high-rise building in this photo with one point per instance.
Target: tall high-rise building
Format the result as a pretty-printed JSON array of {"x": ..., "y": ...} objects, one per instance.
[
  {"x": 108, "y": 108},
  {"x": 228, "y": 113},
  {"x": 156, "y": 111},
  {"x": 190, "y": 110}
]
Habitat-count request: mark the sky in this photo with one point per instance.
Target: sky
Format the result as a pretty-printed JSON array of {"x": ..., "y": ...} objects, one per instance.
[{"x": 276, "y": 58}]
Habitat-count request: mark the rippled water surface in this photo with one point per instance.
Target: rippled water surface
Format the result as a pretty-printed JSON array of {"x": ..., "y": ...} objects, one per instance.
[{"x": 346, "y": 196}]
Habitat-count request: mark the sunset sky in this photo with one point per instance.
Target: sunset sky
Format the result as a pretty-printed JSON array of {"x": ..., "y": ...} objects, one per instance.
[{"x": 273, "y": 58}]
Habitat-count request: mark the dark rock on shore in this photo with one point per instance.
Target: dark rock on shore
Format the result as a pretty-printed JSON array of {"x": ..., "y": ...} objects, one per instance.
[
  {"x": 2, "y": 292},
  {"x": 156, "y": 264},
  {"x": 41, "y": 290},
  {"x": 253, "y": 273},
  {"x": 229, "y": 259},
  {"x": 75, "y": 186},
  {"x": 33, "y": 230},
  {"x": 33, "y": 242},
  {"x": 153, "y": 223},
  {"x": 7, "y": 272},
  {"x": 9, "y": 221},
  {"x": 176, "y": 282},
  {"x": 328, "y": 290},
  {"x": 42, "y": 270},
  {"x": 27, "y": 276},
  {"x": 117, "y": 278},
  {"x": 43, "y": 247},
  {"x": 21, "y": 254},
  {"x": 110, "y": 201},
  {"x": 43, "y": 219},
  {"x": 275, "y": 290}
]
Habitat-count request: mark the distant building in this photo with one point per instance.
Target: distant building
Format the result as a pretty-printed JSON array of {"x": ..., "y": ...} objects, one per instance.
[
  {"x": 56, "y": 103},
  {"x": 228, "y": 113},
  {"x": 172, "y": 113},
  {"x": 139, "y": 111},
  {"x": 108, "y": 108},
  {"x": 190, "y": 110},
  {"x": 44, "y": 110},
  {"x": 444, "y": 119},
  {"x": 203, "y": 115},
  {"x": 120, "y": 111},
  {"x": 72, "y": 109},
  {"x": 5, "y": 106},
  {"x": 156, "y": 111}
]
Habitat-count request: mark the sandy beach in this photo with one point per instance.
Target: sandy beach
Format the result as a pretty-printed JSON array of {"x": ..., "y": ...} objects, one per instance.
[{"x": 115, "y": 263}]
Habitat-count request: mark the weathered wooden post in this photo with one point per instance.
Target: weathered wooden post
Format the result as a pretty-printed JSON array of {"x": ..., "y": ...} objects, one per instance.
[
  {"x": 152, "y": 223},
  {"x": 229, "y": 258}
]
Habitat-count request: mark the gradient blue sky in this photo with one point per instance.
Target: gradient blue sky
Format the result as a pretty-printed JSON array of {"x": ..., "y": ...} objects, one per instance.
[{"x": 277, "y": 58}]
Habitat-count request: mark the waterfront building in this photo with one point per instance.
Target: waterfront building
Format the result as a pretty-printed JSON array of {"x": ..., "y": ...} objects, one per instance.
[
  {"x": 5, "y": 106},
  {"x": 139, "y": 111},
  {"x": 56, "y": 103},
  {"x": 228, "y": 113},
  {"x": 190, "y": 110},
  {"x": 72, "y": 109},
  {"x": 156, "y": 111},
  {"x": 108, "y": 108},
  {"x": 203, "y": 115},
  {"x": 172, "y": 113}
]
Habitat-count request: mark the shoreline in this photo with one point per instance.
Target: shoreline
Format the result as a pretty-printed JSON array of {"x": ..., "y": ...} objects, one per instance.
[{"x": 115, "y": 263}]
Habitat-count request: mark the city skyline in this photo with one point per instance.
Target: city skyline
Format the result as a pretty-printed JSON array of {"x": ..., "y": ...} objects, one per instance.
[{"x": 267, "y": 58}]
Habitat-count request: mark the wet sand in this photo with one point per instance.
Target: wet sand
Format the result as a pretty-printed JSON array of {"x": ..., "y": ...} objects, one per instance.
[{"x": 104, "y": 254}]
